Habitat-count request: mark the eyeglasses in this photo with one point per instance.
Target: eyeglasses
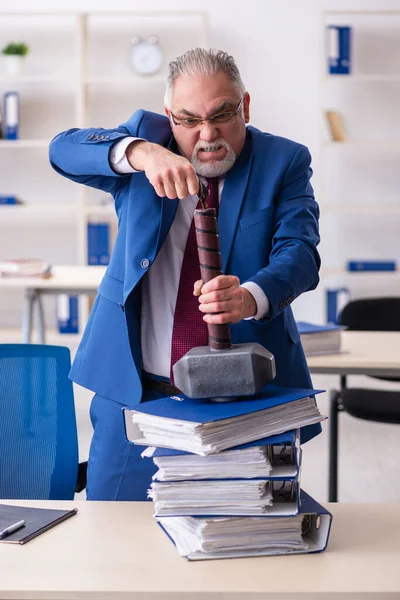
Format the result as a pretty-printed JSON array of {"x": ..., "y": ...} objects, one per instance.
[{"x": 218, "y": 119}]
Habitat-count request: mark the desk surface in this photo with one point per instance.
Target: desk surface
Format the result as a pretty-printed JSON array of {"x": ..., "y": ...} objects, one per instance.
[
  {"x": 364, "y": 353},
  {"x": 116, "y": 551},
  {"x": 63, "y": 277}
]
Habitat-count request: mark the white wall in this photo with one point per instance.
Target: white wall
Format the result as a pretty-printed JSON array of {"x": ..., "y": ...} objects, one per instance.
[{"x": 279, "y": 49}]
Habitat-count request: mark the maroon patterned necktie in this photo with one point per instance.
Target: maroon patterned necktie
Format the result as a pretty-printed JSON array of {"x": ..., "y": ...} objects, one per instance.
[{"x": 189, "y": 329}]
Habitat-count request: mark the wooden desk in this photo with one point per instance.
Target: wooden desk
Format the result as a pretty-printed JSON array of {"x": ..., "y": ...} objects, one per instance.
[
  {"x": 73, "y": 280},
  {"x": 115, "y": 551},
  {"x": 364, "y": 353}
]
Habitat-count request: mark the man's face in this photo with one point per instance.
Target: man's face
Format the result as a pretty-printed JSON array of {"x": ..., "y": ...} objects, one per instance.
[{"x": 212, "y": 147}]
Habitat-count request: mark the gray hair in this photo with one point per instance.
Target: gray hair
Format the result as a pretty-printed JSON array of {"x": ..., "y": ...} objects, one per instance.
[{"x": 202, "y": 62}]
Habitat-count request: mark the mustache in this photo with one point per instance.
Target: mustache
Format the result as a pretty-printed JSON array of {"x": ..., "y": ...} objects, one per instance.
[{"x": 203, "y": 145}]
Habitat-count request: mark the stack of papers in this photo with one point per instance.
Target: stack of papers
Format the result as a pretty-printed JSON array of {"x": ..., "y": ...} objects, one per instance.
[
  {"x": 320, "y": 339},
  {"x": 224, "y": 488},
  {"x": 30, "y": 267},
  {"x": 276, "y": 456},
  {"x": 234, "y": 537},
  {"x": 204, "y": 427},
  {"x": 225, "y": 497}
]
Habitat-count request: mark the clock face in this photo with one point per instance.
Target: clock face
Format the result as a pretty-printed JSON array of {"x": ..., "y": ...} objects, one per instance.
[{"x": 146, "y": 57}]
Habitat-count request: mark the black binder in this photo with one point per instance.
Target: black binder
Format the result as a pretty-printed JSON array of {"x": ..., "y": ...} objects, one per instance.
[{"x": 38, "y": 520}]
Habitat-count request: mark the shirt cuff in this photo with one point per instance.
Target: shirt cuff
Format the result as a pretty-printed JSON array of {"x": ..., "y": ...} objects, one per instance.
[
  {"x": 261, "y": 299},
  {"x": 118, "y": 159}
]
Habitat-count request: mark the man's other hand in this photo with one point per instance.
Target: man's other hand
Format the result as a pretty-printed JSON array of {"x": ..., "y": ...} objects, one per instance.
[
  {"x": 170, "y": 175},
  {"x": 224, "y": 300}
]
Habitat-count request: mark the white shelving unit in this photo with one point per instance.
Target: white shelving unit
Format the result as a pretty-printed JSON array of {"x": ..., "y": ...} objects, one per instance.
[
  {"x": 360, "y": 183},
  {"x": 77, "y": 75}
]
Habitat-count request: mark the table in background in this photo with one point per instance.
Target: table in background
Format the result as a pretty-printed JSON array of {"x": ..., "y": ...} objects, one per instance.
[
  {"x": 73, "y": 280},
  {"x": 116, "y": 551}
]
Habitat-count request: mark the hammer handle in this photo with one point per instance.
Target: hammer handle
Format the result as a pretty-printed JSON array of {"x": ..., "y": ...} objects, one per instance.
[{"x": 206, "y": 224}]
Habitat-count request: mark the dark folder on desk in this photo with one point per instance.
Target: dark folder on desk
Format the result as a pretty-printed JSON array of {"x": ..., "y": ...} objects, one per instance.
[{"x": 38, "y": 520}]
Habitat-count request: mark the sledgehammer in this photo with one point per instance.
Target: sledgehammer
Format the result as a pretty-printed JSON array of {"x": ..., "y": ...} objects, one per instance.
[{"x": 220, "y": 371}]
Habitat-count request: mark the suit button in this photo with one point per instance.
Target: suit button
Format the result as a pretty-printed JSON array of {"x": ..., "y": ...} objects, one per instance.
[
  {"x": 90, "y": 136},
  {"x": 106, "y": 137},
  {"x": 145, "y": 263}
]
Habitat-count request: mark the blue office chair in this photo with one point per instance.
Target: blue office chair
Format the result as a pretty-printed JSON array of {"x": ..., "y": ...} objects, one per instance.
[{"x": 38, "y": 434}]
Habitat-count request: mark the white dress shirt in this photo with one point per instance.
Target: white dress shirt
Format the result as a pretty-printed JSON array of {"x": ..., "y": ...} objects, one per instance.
[{"x": 161, "y": 283}]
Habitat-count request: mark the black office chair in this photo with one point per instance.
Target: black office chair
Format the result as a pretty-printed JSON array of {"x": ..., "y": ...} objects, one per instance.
[{"x": 372, "y": 314}]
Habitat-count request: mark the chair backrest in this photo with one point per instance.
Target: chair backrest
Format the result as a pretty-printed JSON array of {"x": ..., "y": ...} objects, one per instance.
[
  {"x": 372, "y": 314},
  {"x": 38, "y": 433}
]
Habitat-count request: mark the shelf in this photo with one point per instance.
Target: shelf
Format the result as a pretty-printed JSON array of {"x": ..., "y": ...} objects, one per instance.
[
  {"x": 395, "y": 78},
  {"x": 130, "y": 79},
  {"x": 25, "y": 214},
  {"x": 106, "y": 210},
  {"x": 36, "y": 79},
  {"x": 367, "y": 209},
  {"x": 342, "y": 272},
  {"x": 366, "y": 143},
  {"x": 27, "y": 143}
]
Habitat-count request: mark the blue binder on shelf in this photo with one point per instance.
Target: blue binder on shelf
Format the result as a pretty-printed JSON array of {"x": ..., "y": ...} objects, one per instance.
[
  {"x": 11, "y": 115},
  {"x": 98, "y": 236},
  {"x": 192, "y": 417},
  {"x": 371, "y": 265},
  {"x": 315, "y": 522},
  {"x": 67, "y": 313},
  {"x": 283, "y": 451},
  {"x": 336, "y": 300},
  {"x": 339, "y": 49}
]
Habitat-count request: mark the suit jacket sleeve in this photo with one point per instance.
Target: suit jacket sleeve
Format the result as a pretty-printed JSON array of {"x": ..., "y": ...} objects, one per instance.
[
  {"x": 82, "y": 155},
  {"x": 294, "y": 261}
]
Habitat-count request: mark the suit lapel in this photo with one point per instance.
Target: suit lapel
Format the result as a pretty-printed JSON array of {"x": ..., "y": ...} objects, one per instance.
[{"x": 233, "y": 194}]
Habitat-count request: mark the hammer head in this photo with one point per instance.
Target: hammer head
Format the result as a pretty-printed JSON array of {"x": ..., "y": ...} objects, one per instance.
[{"x": 242, "y": 370}]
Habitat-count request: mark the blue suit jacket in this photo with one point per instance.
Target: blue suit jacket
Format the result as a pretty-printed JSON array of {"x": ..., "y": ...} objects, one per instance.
[{"x": 268, "y": 227}]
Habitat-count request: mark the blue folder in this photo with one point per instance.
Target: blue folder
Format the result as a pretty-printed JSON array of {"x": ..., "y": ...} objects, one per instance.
[
  {"x": 316, "y": 528},
  {"x": 291, "y": 439},
  {"x": 204, "y": 410},
  {"x": 305, "y": 327}
]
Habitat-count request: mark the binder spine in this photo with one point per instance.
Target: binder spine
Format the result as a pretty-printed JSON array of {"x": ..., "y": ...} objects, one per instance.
[
  {"x": 67, "y": 314},
  {"x": 11, "y": 115},
  {"x": 98, "y": 237},
  {"x": 336, "y": 299},
  {"x": 339, "y": 49}
]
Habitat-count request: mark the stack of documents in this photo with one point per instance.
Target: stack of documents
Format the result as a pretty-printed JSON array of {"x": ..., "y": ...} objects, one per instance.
[
  {"x": 228, "y": 474},
  {"x": 205, "y": 427},
  {"x": 320, "y": 339}
]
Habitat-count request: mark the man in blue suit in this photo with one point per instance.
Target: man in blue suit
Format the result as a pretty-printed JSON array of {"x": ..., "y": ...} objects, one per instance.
[{"x": 268, "y": 227}]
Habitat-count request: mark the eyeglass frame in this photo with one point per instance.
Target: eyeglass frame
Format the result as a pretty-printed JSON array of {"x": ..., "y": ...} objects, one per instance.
[{"x": 177, "y": 121}]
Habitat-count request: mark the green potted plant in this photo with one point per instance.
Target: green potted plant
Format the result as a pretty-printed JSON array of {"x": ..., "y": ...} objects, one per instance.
[{"x": 14, "y": 54}]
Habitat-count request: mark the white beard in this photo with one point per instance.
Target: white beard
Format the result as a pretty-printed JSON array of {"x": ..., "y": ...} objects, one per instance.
[{"x": 216, "y": 168}]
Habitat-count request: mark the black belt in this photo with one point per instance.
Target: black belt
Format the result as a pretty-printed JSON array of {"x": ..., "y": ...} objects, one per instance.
[{"x": 164, "y": 387}]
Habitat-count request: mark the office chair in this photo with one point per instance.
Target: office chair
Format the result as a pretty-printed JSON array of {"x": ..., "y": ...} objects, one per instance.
[
  {"x": 38, "y": 434},
  {"x": 371, "y": 314}
]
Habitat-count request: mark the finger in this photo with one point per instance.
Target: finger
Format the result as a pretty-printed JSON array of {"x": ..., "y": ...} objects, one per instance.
[
  {"x": 217, "y": 295},
  {"x": 197, "y": 287},
  {"x": 192, "y": 181},
  {"x": 170, "y": 190},
  {"x": 221, "y": 282},
  {"x": 159, "y": 187},
  {"x": 218, "y": 307},
  {"x": 181, "y": 186},
  {"x": 222, "y": 318}
]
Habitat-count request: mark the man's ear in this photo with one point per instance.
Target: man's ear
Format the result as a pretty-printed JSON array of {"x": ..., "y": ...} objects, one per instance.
[
  {"x": 167, "y": 111},
  {"x": 246, "y": 107}
]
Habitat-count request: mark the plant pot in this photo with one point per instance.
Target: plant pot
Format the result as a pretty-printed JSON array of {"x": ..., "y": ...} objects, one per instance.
[{"x": 14, "y": 64}]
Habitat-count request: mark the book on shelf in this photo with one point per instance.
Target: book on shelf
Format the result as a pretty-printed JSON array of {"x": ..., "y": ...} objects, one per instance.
[
  {"x": 273, "y": 457},
  {"x": 320, "y": 339},
  {"x": 213, "y": 537},
  {"x": 67, "y": 312},
  {"x": 371, "y": 265},
  {"x": 25, "y": 267},
  {"x": 339, "y": 44},
  {"x": 202, "y": 426},
  {"x": 336, "y": 300},
  {"x": 336, "y": 126}
]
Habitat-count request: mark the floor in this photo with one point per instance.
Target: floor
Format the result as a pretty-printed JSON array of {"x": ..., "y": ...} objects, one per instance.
[{"x": 369, "y": 457}]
